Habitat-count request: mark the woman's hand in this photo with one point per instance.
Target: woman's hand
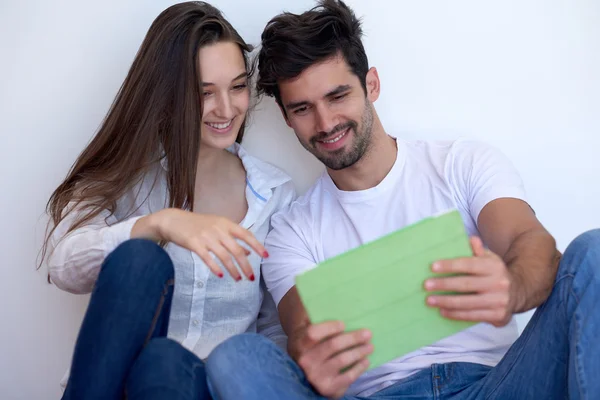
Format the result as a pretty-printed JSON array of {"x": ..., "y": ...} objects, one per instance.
[{"x": 203, "y": 234}]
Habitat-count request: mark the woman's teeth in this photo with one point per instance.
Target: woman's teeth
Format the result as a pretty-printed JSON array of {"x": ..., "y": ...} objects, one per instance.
[{"x": 219, "y": 126}]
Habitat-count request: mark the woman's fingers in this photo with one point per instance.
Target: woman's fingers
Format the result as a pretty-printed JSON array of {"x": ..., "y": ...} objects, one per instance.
[
  {"x": 245, "y": 235},
  {"x": 209, "y": 261},
  {"x": 222, "y": 254},
  {"x": 240, "y": 255}
]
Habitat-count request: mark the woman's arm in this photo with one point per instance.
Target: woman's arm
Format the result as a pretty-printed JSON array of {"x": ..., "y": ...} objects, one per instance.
[{"x": 75, "y": 258}]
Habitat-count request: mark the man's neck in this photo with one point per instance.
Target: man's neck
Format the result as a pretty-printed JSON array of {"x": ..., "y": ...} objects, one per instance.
[{"x": 372, "y": 168}]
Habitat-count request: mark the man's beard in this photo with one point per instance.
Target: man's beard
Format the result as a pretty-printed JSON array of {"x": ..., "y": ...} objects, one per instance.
[{"x": 343, "y": 158}]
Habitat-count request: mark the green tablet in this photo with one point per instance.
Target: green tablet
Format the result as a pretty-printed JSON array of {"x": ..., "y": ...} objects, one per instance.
[{"x": 379, "y": 286}]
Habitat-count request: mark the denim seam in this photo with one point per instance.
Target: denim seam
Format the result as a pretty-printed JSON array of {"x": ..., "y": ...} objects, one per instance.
[
  {"x": 449, "y": 376},
  {"x": 579, "y": 373},
  {"x": 435, "y": 375},
  {"x": 165, "y": 291}
]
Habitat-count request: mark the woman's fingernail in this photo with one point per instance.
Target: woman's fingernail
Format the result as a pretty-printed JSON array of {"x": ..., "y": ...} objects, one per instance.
[
  {"x": 432, "y": 301},
  {"x": 429, "y": 285},
  {"x": 266, "y": 254},
  {"x": 220, "y": 275},
  {"x": 436, "y": 267},
  {"x": 252, "y": 277}
]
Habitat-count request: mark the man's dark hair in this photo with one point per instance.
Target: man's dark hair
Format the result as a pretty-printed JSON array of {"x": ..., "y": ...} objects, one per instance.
[{"x": 291, "y": 43}]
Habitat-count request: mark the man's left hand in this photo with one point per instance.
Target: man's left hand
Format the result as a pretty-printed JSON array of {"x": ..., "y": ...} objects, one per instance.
[{"x": 484, "y": 288}]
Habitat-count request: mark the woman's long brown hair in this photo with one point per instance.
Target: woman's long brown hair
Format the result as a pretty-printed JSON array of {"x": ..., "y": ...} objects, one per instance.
[{"x": 157, "y": 113}]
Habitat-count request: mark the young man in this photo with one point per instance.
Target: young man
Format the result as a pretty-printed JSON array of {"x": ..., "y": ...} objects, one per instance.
[{"x": 315, "y": 66}]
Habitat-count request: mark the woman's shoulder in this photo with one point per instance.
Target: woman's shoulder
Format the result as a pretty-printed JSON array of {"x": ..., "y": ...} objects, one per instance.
[{"x": 264, "y": 177}]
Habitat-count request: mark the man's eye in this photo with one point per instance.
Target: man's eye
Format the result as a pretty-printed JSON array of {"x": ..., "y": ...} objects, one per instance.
[{"x": 300, "y": 111}]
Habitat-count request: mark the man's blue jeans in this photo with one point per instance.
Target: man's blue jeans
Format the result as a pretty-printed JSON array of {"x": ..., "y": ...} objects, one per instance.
[
  {"x": 556, "y": 357},
  {"x": 122, "y": 349}
]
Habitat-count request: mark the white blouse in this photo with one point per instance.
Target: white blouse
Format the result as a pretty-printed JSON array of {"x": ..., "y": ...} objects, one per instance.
[{"x": 206, "y": 310}]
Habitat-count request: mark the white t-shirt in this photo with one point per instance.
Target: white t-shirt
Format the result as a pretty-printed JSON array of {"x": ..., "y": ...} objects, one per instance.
[{"x": 427, "y": 178}]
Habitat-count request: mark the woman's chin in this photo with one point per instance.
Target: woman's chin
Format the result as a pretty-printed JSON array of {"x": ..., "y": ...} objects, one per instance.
[{"x": 218, "y": 141}]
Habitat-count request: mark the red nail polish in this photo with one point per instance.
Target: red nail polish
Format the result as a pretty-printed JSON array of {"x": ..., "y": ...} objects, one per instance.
[
  {"x": 220, "y": 275},
  {"x": 239, "y": 278},
  {"x": 252, "y": 277},
  {"x": 266, "y": 254}
]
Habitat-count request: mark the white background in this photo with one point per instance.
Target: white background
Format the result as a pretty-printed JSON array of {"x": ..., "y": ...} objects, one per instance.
[{"x": 520, "y": 74}]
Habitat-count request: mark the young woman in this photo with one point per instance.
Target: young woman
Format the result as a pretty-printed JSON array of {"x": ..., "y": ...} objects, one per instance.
[{"x": 163, "y": 215}]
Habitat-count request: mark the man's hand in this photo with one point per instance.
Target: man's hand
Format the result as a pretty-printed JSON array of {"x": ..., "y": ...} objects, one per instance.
[
  {"x": 486, "y": 290},
  {"x": 331, "y": 359}
]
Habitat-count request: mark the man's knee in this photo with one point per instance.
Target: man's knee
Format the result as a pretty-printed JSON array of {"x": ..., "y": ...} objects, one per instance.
[
  {"x": 584, "y": 252},
  {"x": 238, "y": 352},
  {"x": 245, "y": 357}
]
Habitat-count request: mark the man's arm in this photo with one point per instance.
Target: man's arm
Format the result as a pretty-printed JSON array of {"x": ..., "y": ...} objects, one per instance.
[
  {"x": 515, "y": 275},
  {"x": 293, "y": 318},
  {"x": 511, "y": 230},
  {"x": 330, "y": 358},
  {"x": 517, "y": 271}
]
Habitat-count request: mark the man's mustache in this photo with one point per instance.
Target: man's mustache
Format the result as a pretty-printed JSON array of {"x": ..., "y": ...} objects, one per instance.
[{"x": 337, "y": 129}]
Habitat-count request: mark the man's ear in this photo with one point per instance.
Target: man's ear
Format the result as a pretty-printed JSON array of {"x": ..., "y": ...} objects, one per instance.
[
  {"x": 373, "y": 85},
  {"x": 285, "y": 117}
]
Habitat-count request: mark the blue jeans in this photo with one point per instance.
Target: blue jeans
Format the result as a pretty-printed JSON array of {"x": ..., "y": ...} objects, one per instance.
[
  {"x": 122, "y": 350},
  {"x": 556, "y": 357}
]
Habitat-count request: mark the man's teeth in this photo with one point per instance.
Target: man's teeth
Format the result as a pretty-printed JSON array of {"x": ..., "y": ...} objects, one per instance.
[
  {"x": 335, "y": 139},
  {"x": 219, "y": 126}
]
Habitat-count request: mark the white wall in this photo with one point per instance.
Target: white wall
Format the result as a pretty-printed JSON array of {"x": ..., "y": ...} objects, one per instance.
[{"x": 522, "y": 75}]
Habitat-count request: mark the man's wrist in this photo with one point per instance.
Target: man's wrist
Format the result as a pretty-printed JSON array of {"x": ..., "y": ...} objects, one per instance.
[{"x": 517, "y": 293}]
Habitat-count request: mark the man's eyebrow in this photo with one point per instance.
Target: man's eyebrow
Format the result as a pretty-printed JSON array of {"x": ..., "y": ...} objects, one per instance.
[
  {"x": 242, "y": 75},
  {"x": 296, "y": 104},
  {"x": 338, "y": 90}
]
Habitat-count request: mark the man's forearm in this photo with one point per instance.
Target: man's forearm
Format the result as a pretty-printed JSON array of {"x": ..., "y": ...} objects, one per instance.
[
  {"x": 532, "y": 259},
  {"x": 293, "y": 318}
]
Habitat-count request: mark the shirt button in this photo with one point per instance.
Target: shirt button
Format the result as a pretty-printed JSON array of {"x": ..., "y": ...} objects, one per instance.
[
  {"x": 196, "y": 322},
  {"x": 200, "y": 284}
]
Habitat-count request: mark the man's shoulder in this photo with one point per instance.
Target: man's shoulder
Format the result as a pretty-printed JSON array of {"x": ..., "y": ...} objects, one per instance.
[
  {"x": 440, "y": 152},
  {"x": 442, "y": 146}
]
